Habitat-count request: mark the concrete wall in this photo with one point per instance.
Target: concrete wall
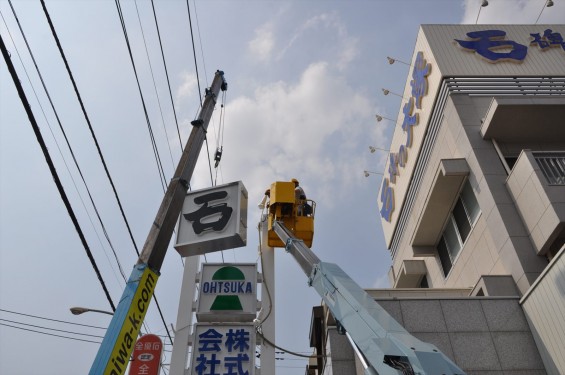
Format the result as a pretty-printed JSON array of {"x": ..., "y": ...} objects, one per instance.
[
  {"x": 541, "y": 206},
  {"x": 499, "y": 243},
  {"x": 544, "y": 307},
  {"x": 482, "y": 335}
]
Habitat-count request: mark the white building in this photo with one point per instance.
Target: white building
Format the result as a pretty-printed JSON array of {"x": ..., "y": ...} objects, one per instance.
[{"x": 473, "y": 201}]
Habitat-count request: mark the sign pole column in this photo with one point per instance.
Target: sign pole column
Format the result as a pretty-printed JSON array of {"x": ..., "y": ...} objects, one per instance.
[
  {"x": 268, "y": 301},
  {"x": 184, "y": 317}
]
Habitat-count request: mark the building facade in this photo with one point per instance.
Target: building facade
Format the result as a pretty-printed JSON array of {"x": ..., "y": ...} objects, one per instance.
[{"x": 473, "y": 194}]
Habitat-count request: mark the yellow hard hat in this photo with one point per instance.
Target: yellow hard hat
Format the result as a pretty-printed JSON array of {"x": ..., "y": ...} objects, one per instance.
[{"x": 294, "y": 180}]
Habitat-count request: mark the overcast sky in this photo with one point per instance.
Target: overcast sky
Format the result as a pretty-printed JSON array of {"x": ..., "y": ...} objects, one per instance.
[{"x": 305, "y": 83}]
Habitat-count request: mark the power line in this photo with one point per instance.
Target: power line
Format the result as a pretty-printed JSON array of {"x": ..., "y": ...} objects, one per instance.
[
  {"x": 96, "y": 141},
  {"x": 154, "y": 84},
  {"x": 50, "y": 334},
  {"x": 61, "y": 336},
  {"x": 194, "y": 52},
  {"x": 63, "y": 132},
  {"x": 57, "y": 321},
  {"x": 52, "y": 169},
  {"x": 199, "y": 90},
  {"x": 200, "y": 40},
  {"x": 162, "y": 178},
  {"x": 119, "y": 8},
  {"x": 51, "y": 329},
  {"x": 166, "y": 74},
  {"x": 50, "y": 319}
]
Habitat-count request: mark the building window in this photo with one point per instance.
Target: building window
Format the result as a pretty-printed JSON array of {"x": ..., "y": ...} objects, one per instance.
[{"x": 458, "y": 227}]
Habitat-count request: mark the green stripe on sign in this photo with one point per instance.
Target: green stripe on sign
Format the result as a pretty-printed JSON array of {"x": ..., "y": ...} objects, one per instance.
[
  {"x": 227, "y": 303},
  {"x": 228, "y": 273}
]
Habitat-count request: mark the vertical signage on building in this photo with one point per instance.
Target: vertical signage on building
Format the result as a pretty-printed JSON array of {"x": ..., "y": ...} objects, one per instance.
[
  {"x": 227, "y": 293},
  {"x": 213, "y": 219},
  {"x": 397, "y": 160},
  {"x": 146, "y": 358},
  {"x": 220, "y": 349}
]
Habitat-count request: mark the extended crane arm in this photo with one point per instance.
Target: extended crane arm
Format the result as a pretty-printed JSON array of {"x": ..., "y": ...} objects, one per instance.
[
  {"x": 386, "y": 346},
  {"x": 114, "y": 352}
]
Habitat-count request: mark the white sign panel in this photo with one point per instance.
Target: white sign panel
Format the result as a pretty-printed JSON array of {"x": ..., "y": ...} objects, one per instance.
[
  {"x": 227, "y": 293},
  {"x": 213, "y": 219},
  {"x": 221, "y": 349}
]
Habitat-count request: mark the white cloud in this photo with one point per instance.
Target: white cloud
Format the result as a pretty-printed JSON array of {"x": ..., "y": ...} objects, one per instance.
[
  {"x": 187, "y": 87},
  {"x": 262, "y": 45},
  {"x": 313, "y": 130},
  {"x": 328, "y": 23}
]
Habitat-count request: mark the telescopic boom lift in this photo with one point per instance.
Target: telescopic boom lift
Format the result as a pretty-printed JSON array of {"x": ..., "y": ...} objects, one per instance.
[{"x": 384, "y": 346}]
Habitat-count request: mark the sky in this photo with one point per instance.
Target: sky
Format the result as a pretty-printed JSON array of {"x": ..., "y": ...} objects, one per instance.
[{"x": 304, "y": 86}]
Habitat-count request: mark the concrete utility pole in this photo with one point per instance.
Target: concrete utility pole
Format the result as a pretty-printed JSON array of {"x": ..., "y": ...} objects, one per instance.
[{"x": 118, "y": 343}]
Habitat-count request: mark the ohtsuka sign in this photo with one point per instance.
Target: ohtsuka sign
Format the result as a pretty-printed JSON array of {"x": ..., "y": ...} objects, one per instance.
[{"x": 228, "y": 293}]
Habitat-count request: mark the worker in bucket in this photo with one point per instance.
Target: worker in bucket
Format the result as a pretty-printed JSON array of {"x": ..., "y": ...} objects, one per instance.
[{"x": 304, "y": 208}]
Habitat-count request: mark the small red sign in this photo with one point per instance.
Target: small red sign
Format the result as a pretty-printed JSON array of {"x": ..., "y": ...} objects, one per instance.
[{"x": 146, "y": 358}]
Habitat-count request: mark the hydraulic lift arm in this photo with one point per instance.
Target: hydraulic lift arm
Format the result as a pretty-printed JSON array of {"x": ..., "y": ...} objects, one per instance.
[{"x": 386, "y": 346}]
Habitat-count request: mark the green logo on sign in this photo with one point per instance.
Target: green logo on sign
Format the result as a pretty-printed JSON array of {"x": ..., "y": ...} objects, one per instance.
[{"x": 227, "y": 280}]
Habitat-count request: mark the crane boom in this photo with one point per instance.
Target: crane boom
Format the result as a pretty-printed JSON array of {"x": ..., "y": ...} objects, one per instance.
[
  {"x": 116, "y": 348},
  {"x": 385, "y": 345}
]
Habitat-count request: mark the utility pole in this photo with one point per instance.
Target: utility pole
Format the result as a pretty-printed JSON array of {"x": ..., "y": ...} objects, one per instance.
[{"x": 120, "y": 338}]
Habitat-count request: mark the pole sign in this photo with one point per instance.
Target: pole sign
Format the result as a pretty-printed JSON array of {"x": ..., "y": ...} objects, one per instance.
[
  {"x": 228, "y": 293},
  {"x": 117, "y": 345},
  {"x": 146, "y": 358},
  {"x": 221, "y": 349},
  {"x": 213, "y": 219}
]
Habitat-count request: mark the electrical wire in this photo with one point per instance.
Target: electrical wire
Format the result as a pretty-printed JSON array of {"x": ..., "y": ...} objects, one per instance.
[
  {"x": 200, "y": 40},
  {"x": 194, "y": 52},
  {"x": 50, "y": 329},
  {"x": 50, "y": 334},
  {"x": 296, "y": 354},
  {"x": 263, "y": 268},
  {"x": 61, "y": 336},
  {"x": 162, "y": 178},
  {"x": 166, "y": 74},
  {"x": 154, "y": 84},
  {"x": 50, "y": 319},
  {"x": 63, "y": 132},
  {"x": 52, "y": 169},
  {"x": 89, "y": 124},
  {"x": 57, "y": 321},
  {"x": 59, "y": 148},
  {"x": 95, "y": 139},
  {"x": 156, "y": 152},
  {"x": 198, "y": 82},
  {"x": 259, "y": 331}
]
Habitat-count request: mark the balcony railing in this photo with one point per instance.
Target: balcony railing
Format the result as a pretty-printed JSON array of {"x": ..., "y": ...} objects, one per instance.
[{"x": 552, "y": 164}]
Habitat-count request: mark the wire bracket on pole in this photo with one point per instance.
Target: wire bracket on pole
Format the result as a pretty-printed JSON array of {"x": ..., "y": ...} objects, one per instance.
[{"x": 181, "y": 181}]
